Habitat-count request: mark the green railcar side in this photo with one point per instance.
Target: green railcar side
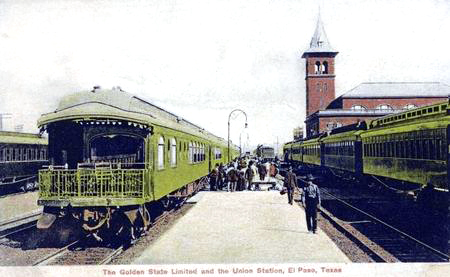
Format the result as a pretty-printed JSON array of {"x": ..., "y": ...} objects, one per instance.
[
  {"x": 311, "y": 152},
  {"x": 343, "y": 151},
  {"x": 414, "y": 150}
]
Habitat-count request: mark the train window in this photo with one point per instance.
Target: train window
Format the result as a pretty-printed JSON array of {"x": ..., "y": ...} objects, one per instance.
[
  {"x": 436, "y": 109},
  {"x": 161, "y": 153},
  {"x": 195, "y": 152},
  {"x": 430, "y": 110},
  {"x": 443, "y": 107},
  {"x": 191, "y": 153},
  {"x": 173, "y": 152},
  {"x": 413, "y": 114}
]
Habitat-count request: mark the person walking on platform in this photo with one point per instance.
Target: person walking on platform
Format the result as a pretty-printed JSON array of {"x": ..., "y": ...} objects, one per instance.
[
  {"x": 232, "y": 178},
  {"x": 273, "y": 170},
  {"x": 221, "y": 177},
  {"x": 311, "y": 201},
  {"x": 213, "y": 178},
  {"x": 262, "y": 172},
  {"x": 290, "y": 182},
  {"x": 241, "y": 178},
  {"x": 249, "y": 174}
]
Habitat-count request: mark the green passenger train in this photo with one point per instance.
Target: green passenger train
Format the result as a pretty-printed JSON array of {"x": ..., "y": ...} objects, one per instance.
[
  {"x": 115, "y": 158},
  {"x": 21, "y": 156},
  {"x": 407, "y": 150}
]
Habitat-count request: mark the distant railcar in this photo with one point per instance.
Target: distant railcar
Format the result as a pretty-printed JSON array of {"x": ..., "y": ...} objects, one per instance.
[
  {"x": 266, "y": 153},
  {"x": 125, "y": 158},
  {"x": 21, "y": 156}
]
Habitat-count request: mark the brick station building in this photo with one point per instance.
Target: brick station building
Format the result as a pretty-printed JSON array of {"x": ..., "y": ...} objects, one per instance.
[{"x": 364, "y": 102}]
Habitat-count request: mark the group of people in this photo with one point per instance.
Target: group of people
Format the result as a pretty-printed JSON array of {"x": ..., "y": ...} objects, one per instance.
[
  {"x": 310, "y": 198},
  {"x": 240, "y": 175}
]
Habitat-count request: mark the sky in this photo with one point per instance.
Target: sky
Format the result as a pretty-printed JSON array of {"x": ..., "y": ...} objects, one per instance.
[{"x": 201, "y": 59}]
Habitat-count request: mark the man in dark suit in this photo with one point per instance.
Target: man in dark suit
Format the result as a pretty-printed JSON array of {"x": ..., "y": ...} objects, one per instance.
[
  {"x": 290, "y": 182},
  {"x": 311, "y": 201}
]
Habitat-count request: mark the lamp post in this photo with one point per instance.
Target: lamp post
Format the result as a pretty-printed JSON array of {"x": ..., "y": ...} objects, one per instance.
[{"x": 229, "y": 117}]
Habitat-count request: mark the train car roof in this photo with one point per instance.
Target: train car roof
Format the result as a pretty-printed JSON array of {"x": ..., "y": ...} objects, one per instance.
[
  {"x": 349, "y": 135},
  {"x": 410, "y": 116},
  {"x": 22, "y": 138},
  {"x": 120, "y": 105}
]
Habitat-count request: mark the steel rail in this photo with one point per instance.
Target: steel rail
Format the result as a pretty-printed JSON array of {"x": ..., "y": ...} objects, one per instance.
[
  {"x": 389, "y": 226},
  {"x": 55, "y": 254}
]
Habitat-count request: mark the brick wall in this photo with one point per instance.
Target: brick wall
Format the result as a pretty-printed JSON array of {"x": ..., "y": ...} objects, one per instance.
[{"x": 395, "y": 103}]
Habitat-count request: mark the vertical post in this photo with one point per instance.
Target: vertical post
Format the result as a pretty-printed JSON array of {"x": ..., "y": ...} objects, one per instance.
[{"x": 229, "y": 138}]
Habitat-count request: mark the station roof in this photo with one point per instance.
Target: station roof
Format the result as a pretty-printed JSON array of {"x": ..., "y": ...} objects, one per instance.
[{"x": 398, "y": 90}]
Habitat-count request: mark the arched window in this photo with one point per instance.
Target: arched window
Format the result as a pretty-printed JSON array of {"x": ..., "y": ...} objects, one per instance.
[
  {"x": 191, "y": 152},
  {"x": 384, "y": 107},
  {"x": 325, "y": 68},
  {"x": 173, "y": 152},
  {"x": 325, "y": 87},
  {"x": 161, "y": 153},
  {"x": 195, "y": 152},
  {"x": 317, "y": 68},
  {"x": 318, "y": 85},
  {"x": 409, "y": 107},
  {"x": 358, "y": 108}
]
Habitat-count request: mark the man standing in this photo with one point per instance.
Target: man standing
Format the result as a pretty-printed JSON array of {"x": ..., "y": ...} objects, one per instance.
[
  {"x": 290, "y": 182},
  {"x": 249, "y": 175},
  {"x": 213, "y": 178},
  {"x": 311, "y": 200}
]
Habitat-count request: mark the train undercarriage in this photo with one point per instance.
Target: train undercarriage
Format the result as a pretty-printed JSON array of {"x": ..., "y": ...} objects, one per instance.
[{"x": 119, "y": 224}]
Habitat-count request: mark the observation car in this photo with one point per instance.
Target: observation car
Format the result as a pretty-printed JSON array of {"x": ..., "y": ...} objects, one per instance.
[{"x": 115, "y": 159}]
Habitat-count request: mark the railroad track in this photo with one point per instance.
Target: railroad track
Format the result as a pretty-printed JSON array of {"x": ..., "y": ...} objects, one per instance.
[
  {"x": 382, "y": 241},
  {"x": 95, "y": 255}
]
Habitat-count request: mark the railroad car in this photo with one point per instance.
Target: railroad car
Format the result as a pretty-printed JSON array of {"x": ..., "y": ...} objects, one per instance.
[
  {"x": 21, "y": 156},
  {"x": 265, "y": 152},
  {"x": 405, "y": 151},
  {"x": 411, "y": 146},
  {"x": 310, "y": 151},
  {"x": 115, "y": 158},
  {"x": 342, "y": 149},
  {"x": 287, "y": 152}
]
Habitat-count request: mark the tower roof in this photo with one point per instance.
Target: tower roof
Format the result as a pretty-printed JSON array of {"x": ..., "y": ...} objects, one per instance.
[{"x": 319, "y": 41}]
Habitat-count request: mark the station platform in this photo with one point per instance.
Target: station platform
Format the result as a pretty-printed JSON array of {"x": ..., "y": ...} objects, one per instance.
[
  {"x": 17, "y": 205},
  {"x": 242, "y": 227}
]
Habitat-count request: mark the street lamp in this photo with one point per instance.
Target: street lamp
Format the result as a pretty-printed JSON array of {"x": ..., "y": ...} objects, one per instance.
[{"x": 229, "y": 117}]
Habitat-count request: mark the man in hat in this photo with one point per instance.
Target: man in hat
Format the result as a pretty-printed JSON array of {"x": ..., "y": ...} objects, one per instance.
[
  {"x": 311, "y": 200},
  {"x": 290, "y": 182}
]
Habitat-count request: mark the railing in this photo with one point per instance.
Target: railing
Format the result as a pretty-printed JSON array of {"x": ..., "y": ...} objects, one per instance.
[{"x": 115, "y": 183}]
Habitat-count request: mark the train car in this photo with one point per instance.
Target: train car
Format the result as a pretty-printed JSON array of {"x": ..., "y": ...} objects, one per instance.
[
  {"x": 266, "y": 153},
  {"x": 115, "y": 158},
  {"x": 311, "y": 152},
  {"x": 21, "y": 156},
  {"x": 287, "y": 151},
  {"x": 343, "y": 149},
  {"x": 411, "y": 147}
]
